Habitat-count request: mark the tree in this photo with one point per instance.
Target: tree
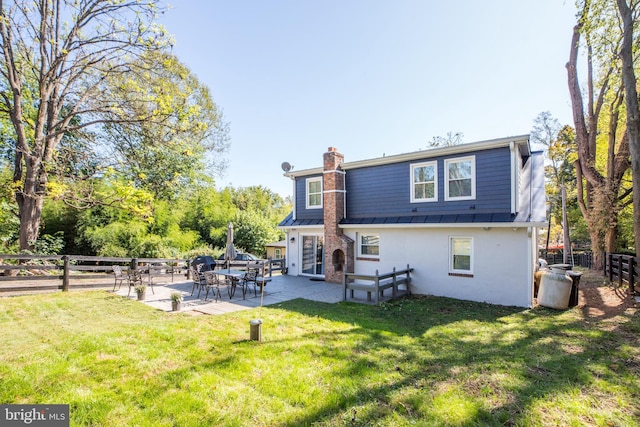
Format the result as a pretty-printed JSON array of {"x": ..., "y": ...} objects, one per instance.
[
  {"x": 627, "y": 13},
  {"x": 165, "y": 155},
  {"x": 56, "y": 61},
  {"x": 558, "y": 143},
  {"x": 601, "y": 192},
  {"x": 446, "y": 141}
]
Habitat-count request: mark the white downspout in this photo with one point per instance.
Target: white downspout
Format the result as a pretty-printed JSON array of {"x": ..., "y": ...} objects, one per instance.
[{"x": 514, "y": 178}]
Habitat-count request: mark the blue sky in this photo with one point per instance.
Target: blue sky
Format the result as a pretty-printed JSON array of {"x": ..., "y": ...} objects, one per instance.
[{"x": 370, "y": 77}]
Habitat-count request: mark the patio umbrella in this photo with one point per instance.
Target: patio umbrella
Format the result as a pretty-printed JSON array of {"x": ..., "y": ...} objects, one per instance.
[{"x": 230, "y": 253}]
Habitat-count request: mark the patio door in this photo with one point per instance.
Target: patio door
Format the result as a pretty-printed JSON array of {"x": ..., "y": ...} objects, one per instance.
[{"x": 313, "y": 255}]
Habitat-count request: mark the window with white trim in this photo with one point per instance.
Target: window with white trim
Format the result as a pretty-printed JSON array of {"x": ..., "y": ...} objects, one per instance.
[
  {"x": 424, "y": 182},
  {"x": 461, "y": 255},
  {"x": 278, "y": 253},
  {"x": 460, "y": 179},
  {"x": 314, "y": 193},
  {"x": 369, "y": 245}
]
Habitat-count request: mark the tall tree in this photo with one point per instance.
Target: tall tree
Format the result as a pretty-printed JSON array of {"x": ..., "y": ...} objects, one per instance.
[
  {"x": 601, "y": 193},
  {"x": 629, "y": 15},
  {"x": 165, "y": 155},
  {"x": 55, "y": 62}
]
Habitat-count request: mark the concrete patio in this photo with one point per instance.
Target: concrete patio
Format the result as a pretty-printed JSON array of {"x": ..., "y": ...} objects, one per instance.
[{"x": 280, "y": 288}]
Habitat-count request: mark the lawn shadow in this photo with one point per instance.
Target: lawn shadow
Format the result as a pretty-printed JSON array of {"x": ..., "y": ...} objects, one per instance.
[{"x": 543, "y": 352}]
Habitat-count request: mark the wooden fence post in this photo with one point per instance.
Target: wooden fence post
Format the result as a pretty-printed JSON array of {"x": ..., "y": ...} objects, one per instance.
[
  {"x": 620, "y": 271},
  {"x": 632, "y": 274},
  {"x": 66, "y": 274}
]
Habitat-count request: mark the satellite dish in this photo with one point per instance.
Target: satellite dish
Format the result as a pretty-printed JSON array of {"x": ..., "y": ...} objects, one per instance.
[{"x": 286, "y": 166}]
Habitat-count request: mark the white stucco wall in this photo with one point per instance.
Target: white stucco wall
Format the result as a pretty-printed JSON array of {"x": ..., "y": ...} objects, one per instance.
[
  {"x": 503, "y": 260},
  {"x": 294, "y": 249}
]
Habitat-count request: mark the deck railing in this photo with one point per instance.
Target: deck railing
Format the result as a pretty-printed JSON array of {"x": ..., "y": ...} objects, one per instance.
[{"x": 376, "y": 284}]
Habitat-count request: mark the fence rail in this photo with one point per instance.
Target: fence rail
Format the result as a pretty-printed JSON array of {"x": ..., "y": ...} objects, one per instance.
[
  {"x": 623, "y": 268},
  {"x": 580, "y": 259},
  {"x": 66, "y": 271}
]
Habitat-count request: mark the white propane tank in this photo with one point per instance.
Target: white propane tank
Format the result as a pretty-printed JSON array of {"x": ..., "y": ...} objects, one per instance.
[{"x": 555, "y": 287}]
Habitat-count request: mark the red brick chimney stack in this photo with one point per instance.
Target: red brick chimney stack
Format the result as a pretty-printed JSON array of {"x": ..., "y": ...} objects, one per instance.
[{"x": 338, "y": 247}]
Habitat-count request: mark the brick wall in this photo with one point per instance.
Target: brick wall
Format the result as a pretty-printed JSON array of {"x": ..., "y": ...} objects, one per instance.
[{"x": 338, "y": 248}]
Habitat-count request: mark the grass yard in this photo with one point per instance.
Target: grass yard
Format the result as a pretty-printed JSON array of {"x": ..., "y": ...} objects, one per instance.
[{"x": 423, "y": 362}]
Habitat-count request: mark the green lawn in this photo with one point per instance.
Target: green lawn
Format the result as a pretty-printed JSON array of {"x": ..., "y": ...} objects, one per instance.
[{"x": 426, "y": 361}]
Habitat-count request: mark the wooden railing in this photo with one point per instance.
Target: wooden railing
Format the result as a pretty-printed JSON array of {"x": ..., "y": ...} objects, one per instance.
[
  {"x": 377, "y": 283},
  {"x": 77, "y": 268},
  {"x": 623, "y": 268},
  {"x": 277, "y": 264}
]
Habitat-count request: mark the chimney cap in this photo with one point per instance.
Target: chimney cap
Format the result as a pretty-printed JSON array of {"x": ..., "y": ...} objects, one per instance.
[{"x": 332, "y": 149}]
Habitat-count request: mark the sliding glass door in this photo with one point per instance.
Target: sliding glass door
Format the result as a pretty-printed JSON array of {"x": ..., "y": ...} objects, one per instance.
[{"x": 313, "y": 255}]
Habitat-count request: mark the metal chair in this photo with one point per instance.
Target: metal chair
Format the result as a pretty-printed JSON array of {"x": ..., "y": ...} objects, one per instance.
[
  {"x": 214, "y": 283},
  {"x": 199, "y": 279},
  {"x": 119, "y": 276},
  {"x": 248, "y": 279}
]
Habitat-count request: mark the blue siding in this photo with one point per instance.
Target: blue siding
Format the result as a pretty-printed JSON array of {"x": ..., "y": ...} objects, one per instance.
[
  {"x": 385, "y": 190},
  {"x": 301, "y": 200}
]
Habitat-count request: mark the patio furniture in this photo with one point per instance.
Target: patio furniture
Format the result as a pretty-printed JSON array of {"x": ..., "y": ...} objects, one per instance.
[
  {"x": 199, "y": 279},
  {"x": 214, "y": 283},
  {"x": 234, "y": 277},
  {"x": 119, "y": 276},
  {"x": 259, "y": 280},
  {"x": 136, "y": 278},
  {"x": 247, "y": 280}
]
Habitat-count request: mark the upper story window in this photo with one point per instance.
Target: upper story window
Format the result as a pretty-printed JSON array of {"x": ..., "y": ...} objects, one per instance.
[
  {"x": 314, "y": 193},
  {"x": 460, "y": 180},
  {"x": 369, "y": 245},
  {"x": 424, "y": 179}
]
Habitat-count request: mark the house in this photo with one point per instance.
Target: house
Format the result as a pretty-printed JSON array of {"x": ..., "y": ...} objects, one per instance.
[
  {"x": 465, "y": 217},
  {"x": 276, "y": 250}
]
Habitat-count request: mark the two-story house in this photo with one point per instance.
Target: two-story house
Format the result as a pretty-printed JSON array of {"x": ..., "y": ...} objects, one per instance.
[{"x": 465, "y": 217}]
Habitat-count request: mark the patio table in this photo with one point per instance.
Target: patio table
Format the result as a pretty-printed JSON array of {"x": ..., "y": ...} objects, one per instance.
[{"x": 234, "y": 277}]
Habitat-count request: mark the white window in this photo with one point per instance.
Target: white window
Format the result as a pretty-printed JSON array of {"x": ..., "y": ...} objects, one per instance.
[
  {"x": 369, "y": 245},
  {"x": 460, "y": 180},
  {"x": 314, "y": 193},
  {"x": 424, "y": 182},
  {"x": 461, "y": 255},
  {"x": 278, "y": 253}
]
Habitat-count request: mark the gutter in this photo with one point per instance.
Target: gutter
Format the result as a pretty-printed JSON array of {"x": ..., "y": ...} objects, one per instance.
[{"x": 423, "y": 154}]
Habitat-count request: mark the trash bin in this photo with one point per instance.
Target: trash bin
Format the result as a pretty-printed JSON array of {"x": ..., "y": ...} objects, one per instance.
[
  {"x": 555, "y": 287},
  {"x": 575, "y": 284}
]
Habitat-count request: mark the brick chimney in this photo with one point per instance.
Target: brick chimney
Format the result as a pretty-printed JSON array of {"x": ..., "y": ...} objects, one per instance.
[{"x": 338, "y": 248}]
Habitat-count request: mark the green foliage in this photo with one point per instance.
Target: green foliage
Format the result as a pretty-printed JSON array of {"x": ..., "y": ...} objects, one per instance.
[
  {"x": 9, "y": 223},
  {"x": 49, "y": 244},
  {"x": 208, "y": 212},
  {"x": 167, "y": 154},
  {"x": 252, "y": 231}
]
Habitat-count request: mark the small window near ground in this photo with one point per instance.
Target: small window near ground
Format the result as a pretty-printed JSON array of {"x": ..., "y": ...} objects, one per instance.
[
  {"x": 424, "y": 178},
  {"x": 460, "y": 182},
  {"x": 314, "y": 193},
  {"x": 369, "y": 245},
  {"x": 461, "y": 255}
]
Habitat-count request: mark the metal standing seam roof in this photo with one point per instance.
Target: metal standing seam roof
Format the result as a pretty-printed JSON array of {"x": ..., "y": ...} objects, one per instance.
[{"x": 420, "y": 219}]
